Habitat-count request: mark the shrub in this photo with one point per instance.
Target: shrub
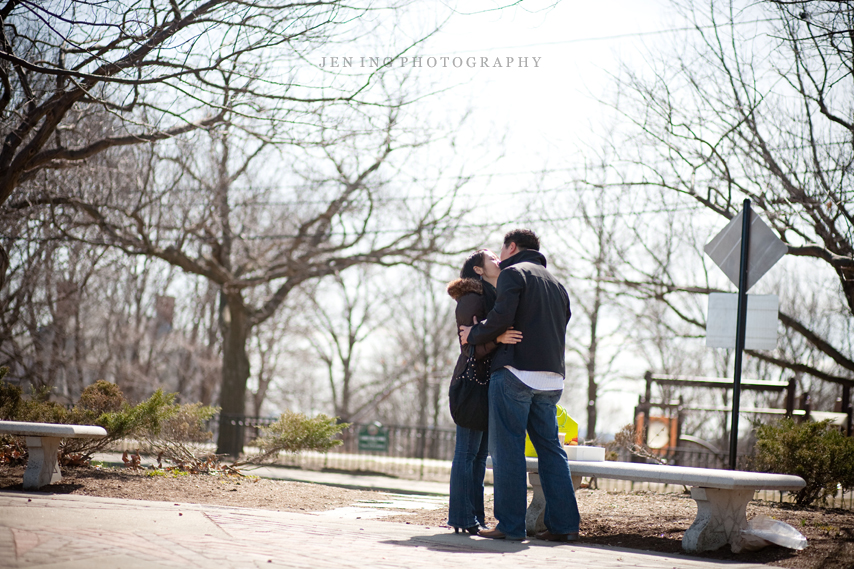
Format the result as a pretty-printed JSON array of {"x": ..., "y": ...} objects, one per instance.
[
  {"x": 164, "y": 428},
  {"x": 126, "y": 421},
  {"x": 37, "y": 409},
  {"x": 102, "y": 404},
  {"x": 101, "y": 397},
  {"x": 178, "y": 435},
  {"x": 10, "y": 398},
  {"x": 822, "y": 456},
  {"x": 294, "y": 432},
  {"x": 628, "y": 438}
]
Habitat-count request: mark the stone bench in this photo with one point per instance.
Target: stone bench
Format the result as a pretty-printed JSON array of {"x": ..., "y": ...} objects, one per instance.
[
  {"x": 721, "y": 495},
  {"x": 43, "y": 446}
]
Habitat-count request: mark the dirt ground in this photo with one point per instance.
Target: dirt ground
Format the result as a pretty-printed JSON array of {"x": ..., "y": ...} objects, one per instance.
[{"x": 638, "y": 520}]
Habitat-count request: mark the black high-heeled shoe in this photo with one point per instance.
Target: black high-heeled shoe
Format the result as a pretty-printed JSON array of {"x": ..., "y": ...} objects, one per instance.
[{"x": 472, "y": 530}]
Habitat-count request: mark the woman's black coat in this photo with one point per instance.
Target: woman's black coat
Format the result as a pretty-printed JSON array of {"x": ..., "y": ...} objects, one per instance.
[{"x": 474, "y": 298}]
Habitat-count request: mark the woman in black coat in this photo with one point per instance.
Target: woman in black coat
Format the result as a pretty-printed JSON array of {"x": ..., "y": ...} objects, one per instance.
[{"x": 474, "y": 292}]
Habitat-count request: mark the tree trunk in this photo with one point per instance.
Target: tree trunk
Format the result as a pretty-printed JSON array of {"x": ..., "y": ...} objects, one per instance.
[
  {"x": 423, "y": 406},
  {"x": 591, "y": 408},
  {"x": 259, "y": 396},
  {"x": 235, "y": 373},
  {"x": 4, "y": 266},
  {"x": 346, "y": 391},
  {"x": 592, "y": 385}
]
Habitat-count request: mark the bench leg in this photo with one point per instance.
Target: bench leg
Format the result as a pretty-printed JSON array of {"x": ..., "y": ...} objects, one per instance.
[
  {"x": 42, "y": 466},
  {"x": 721, "y": 515},
  {"x": 537, "y": 508},
  {"x": 536, "y": 511}
]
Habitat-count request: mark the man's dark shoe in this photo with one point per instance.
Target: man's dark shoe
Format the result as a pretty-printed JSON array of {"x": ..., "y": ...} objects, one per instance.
[
  {"x": 546, "y": 535},
  {"x": 495, "y": 533}
]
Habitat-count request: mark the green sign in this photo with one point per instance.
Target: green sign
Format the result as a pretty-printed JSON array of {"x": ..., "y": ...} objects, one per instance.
[{"x": 373, "y": 437}]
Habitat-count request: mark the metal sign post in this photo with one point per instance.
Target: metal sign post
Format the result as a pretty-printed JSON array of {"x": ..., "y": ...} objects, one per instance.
[
  {"x": 758, "y": 254},
  {"x": 740, "y": 334}
]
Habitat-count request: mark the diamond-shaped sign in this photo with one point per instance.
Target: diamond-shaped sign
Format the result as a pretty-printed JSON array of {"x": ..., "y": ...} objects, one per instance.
[{"x": 764, "y": 251}]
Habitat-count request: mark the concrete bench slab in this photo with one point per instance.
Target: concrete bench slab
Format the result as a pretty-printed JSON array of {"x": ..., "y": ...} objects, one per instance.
[
  {"x": 43, "y": 446},
  {"x": 721, "y": 495}
]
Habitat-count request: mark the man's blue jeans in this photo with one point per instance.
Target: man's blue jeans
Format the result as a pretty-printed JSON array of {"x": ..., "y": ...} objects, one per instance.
[
  {"x": 465, "y": 508},
  {"x": 515, "y": 408}
]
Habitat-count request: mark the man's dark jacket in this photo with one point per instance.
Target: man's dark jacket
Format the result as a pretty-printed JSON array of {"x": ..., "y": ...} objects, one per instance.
[{"x": 531, "y": 300}]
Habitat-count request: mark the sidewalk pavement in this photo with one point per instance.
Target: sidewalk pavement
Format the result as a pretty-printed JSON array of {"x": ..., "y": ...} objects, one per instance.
[{"x": 82, "y": 532}]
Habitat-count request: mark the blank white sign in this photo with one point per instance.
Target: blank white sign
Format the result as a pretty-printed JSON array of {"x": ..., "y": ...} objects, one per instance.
[{"x": 761, "y": 333}]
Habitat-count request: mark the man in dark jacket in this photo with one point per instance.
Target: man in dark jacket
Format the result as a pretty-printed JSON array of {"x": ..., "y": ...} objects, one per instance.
[{"x": 525, "y": 385}]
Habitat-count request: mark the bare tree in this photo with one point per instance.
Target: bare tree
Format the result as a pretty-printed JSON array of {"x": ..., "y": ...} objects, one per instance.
[
  {"x": 590, "y": 260},
  {"x": 272, "y": 351},
  {"x": 163, "y": 69},
  {"x": 41, "y": 334},
  {"x": 199, "y": 366},
  {"x": 424, "y": 336},
  {"x": 335, "y": 206},
  {"x": 73, "y": 314},
  {"x": 347, "y": 316},
  {"x": 756, "y": 104}
]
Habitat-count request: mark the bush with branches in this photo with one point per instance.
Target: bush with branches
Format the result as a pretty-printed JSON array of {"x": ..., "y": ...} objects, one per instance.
[
  {"x": 294, "y": 432},
  {"x": 152, "y": 421},
  {"x": 628, "y": 438},
  {"x": 180, "y": 438},
  {"x": 815, "y": 451},
  {"x": 172, "y": 432}
]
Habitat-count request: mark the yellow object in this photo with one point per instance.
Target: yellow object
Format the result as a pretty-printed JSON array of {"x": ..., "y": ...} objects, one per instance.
[{"x": 565, "y": 424}]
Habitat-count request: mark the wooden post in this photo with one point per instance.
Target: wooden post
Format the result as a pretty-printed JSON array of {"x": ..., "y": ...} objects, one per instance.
[
  {"x": 846, "y": 408},
  {"x": 790, "y": 398},
  {"x": 806, "y": 405}
]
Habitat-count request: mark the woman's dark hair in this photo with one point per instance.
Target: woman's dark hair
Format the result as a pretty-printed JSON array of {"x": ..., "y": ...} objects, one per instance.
[{"x": 473, "y": 260}]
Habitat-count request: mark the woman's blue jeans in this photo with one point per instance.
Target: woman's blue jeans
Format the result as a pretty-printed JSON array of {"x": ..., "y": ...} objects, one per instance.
[
  {"x": 515, "y": 408},
  {"x": 467, "y": 470}
]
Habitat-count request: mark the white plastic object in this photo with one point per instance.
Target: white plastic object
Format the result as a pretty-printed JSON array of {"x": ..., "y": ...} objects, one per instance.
[
  {"x": 772, "y": 531},
  {"x": 585, "y": 453}
]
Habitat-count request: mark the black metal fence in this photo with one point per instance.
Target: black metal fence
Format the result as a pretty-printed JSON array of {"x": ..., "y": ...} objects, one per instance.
[
  {"x": 247, "y": 428},
  {"x": 422, "y": 453},
  {"x": 403, "y": 441},
  {"x": 412, "y": 451}
]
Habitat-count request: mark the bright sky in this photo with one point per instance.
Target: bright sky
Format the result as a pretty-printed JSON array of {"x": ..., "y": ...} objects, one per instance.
[
  {"x": 550, "y": 106},
  {"x": 549, "y": 109}
]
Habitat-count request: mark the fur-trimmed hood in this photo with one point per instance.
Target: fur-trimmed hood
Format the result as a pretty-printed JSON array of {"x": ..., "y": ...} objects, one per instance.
[{"x": 458, "y": 288}]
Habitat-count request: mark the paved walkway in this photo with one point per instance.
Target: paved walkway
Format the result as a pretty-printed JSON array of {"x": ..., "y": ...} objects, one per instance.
[{"x": 82, "y": 532}]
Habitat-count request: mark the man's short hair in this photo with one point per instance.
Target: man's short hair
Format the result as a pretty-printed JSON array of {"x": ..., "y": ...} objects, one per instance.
[{"x": 523, "y": 238}]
